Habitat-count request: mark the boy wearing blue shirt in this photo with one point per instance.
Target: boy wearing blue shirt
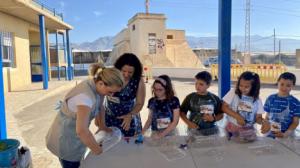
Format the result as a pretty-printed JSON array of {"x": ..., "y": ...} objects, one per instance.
[{"x": 283, "y": 109}]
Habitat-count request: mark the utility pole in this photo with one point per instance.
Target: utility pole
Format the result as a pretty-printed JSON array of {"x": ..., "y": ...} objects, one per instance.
[
  {"x": 279, "y": 53},
  {"x": 274, "y": 35},
  {"x": 235, "y": 54},
  {"x": 247, "y": 54},
  {"x": 147, "y": 6}
]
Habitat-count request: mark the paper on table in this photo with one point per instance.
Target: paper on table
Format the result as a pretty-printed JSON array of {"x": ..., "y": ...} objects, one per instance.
[{"x": 171, "y": 153}]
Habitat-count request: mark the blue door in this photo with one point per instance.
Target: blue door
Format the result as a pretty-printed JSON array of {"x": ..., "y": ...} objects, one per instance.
[{"x": 36, "y": 64}]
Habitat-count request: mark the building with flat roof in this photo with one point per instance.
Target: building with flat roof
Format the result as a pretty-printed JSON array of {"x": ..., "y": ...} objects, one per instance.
[
  {"x": 146, "y": 36},
  {"x": 24, "y": 31}
]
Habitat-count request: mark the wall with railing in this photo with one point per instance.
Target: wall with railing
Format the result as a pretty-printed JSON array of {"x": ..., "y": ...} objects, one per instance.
[
  {"x": 47, "y": 8},
  {"x": 268, "y": 73},
  {"x": 189, "y": 73}
]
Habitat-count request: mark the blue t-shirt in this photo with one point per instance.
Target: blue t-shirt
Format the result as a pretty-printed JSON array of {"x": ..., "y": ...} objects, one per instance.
[
  {"x": 162, "y": 112},
  {"x": 281, "y": 110}
]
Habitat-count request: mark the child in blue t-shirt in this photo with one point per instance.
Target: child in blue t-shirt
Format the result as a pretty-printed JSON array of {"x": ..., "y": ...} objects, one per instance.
[
  {"x": 283, "y": 109},
  {"x": 163, "y": 108}
]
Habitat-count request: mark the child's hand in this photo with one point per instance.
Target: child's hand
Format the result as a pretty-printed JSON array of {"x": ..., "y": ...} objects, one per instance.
[
  {"x": 208, "y": 118},
  {"x": 156, "y": 136},
  {"x": 265, "y": 127},
  {"x": 240, "y": 120},
  {"x": 278, "y": 134},
  {"x": 143, "y": 132},
  {"x": 193, "y": 126}
]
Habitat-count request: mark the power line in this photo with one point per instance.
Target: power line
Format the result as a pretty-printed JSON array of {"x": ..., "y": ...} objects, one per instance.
[
  {"x": 268, "y": 12},
  {"x": 272, "y": 8},
  {"x": 183, "y": 4},
  {"x": 264, "y": 38}
]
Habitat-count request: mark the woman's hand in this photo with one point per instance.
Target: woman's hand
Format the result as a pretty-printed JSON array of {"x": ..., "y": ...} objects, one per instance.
[
  {"x": 98, "y": 151},
  {"x": 106, "y": 129},
  {"x": 126, "y": 121}
]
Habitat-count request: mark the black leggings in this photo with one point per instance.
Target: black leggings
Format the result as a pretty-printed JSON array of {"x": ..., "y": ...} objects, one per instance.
[{"x": 69, "y": 164}]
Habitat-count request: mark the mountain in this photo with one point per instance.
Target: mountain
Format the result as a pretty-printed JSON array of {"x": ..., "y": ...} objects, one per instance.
[
  {"x": 258, "y": 43},
  {"x": 102, "y": 43}
]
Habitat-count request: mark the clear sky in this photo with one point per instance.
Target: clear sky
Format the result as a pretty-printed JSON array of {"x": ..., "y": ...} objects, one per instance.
[{"x": 97, "y": 18}]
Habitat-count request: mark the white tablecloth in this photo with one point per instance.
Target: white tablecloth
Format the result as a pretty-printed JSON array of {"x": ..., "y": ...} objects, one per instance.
[{"x": 265, "y": 153}]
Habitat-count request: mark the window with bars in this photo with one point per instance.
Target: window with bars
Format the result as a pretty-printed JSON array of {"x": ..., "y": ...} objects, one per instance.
[
  {"x": 7, "y": 49},
  {"x": 152, "y": 43}
]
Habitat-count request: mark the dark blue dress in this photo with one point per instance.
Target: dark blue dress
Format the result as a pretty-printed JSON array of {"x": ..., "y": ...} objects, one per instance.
[
  {"x": 162, "y": 112},
  {"x": 122, "y": 103}
]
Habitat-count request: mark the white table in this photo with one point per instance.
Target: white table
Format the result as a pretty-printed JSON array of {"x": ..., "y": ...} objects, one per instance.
[
  {"x": 130, "y": 155},
  {"x": 266, "y": 153}
]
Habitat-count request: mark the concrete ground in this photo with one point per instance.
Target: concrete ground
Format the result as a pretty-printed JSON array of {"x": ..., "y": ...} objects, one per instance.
[{"x": 30, "y": 111}]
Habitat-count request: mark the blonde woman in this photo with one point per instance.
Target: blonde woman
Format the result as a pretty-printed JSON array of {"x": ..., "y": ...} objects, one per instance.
[{"x": 69, "y": 134}]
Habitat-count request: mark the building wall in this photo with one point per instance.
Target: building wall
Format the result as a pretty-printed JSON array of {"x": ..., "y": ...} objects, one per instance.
[
  {"x": 145, "y": 24},
  {"x": 172, "y": 50},
  {"x": 176, "y": 34},
  {"x": 34, "y": 38},
  {"x": 118, "y": 50},
  {"x": 20, "y": 75},
  {"x": 298, "y": 59},
  {"x": 122, "y": 36},
  {"x": 121, "y": 46},
  {"x": 179, "y": 52}
]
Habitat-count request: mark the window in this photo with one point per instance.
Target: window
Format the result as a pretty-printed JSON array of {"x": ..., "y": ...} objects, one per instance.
[
  {"x": 7, "y": 49},
  {"x": 169, "y": 36},
  {"x": 133, "y": 27},
  {"x": 152, "y": 43}
]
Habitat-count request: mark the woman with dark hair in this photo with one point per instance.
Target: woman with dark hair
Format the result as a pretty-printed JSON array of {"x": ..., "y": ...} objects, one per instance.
[{"x": 123, "y": 108}]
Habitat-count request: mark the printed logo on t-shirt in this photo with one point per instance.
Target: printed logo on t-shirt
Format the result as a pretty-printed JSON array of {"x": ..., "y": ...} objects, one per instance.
[
  {"x": 245, "y": 106},
  {"x": 163, "y": 122},
  {"x": 113, "y": 99},
  {"x": 207, "y": 109}
]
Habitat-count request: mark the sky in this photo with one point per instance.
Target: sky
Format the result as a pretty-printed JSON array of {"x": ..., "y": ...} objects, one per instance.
[{"x": 92, "y": 19}]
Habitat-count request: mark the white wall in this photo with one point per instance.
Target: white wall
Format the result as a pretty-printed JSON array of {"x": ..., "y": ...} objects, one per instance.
[{"x": 297, "y": 73}]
